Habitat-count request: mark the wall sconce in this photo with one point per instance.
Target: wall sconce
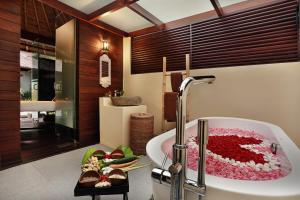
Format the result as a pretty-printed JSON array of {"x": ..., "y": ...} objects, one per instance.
[
  {"x": 105, "y": 66},
  {"x": 105, "y": 46}
]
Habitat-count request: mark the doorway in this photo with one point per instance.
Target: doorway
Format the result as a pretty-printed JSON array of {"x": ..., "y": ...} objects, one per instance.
[{"x": 47, "y": 83}]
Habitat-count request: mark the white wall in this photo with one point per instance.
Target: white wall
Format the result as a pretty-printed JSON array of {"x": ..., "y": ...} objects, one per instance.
[
  {"x": 25, "y": 82},
  {"x": 268, "y": 93}
]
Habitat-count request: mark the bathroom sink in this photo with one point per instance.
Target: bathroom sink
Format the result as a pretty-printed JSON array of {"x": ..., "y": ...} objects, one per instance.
[{"x": 126, "y": 101}]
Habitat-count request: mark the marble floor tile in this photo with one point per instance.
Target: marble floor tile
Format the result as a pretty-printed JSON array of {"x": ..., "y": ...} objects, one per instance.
[{"x": 54, "y": 178}]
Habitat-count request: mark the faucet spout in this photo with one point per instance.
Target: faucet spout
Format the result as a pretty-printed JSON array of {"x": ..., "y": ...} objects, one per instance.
[
  {"x": 181, "y": 103},
  {"x": 178, "y": 180}
]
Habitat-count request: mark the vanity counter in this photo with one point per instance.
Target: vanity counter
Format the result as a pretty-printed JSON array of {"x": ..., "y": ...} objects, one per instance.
[
  {"x": 31, "y": 106},
  {"x": 114, "y": 122}
]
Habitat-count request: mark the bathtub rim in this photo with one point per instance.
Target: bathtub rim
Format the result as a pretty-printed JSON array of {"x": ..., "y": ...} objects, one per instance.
[{"x": 258, "y": 188}]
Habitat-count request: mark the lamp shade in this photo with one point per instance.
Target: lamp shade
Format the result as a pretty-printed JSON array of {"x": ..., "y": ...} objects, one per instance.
[{"x": 105, "y": 46}]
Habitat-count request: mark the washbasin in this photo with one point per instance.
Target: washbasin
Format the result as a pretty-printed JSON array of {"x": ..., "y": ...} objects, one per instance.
[{"x": 126, "y": 101}]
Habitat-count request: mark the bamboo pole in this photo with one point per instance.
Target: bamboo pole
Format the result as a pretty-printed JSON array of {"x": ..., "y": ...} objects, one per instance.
[
  {"x": 163, "y": 94},
  {"x": 164, "y": 86},
  {"x": 187, "y": 64},
  {"x": 187, "y": 69}
]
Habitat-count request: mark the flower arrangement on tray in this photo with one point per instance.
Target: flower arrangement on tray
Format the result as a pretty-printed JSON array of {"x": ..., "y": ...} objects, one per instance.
[{"x": 104, "y": 169}]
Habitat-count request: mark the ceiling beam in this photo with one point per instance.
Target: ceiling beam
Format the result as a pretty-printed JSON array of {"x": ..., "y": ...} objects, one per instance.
[
  {"x": 82, "y": 16},
  {"x": 112, "y": 7},
  {"x": 145, "y": 14},
  {"x": 231, "y": 9},
  {"x": 105, "y": 26},
  {"x": 217, "y": 7},
  {"x": 116, "y": 5}
]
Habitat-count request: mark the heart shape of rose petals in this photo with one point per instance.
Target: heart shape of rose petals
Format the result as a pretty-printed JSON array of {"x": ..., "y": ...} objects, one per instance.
[{"x": 229, "y": 146}]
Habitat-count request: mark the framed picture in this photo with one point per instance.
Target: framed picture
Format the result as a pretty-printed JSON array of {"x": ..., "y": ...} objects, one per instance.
[{"x": 105, "y": 71}]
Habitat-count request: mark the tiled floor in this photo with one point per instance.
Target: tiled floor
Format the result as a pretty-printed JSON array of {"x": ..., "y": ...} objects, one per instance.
[{"x": 54, "y": 178}]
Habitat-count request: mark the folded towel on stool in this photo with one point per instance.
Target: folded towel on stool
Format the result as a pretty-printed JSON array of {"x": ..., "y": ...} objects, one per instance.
[
  {"x": 176, "y": 80},
  {"x": 170, "y": 106}
]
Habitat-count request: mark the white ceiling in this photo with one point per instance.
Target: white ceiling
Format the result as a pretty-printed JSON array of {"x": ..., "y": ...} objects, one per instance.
[
  {"x": 165, "y": 10},
  {"x": 169, "y": 10},
  {"x": 224, "y": 3},
  {"x": 87, "y": 6},
  {"x": 126, "y": 20}
]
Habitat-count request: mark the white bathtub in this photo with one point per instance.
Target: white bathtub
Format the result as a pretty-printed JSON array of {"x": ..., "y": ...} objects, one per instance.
[{"x": 285, "y": 188}]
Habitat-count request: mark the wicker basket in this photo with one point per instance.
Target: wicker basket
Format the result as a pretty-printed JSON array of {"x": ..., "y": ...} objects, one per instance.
[{"x": 141, "y": 131}]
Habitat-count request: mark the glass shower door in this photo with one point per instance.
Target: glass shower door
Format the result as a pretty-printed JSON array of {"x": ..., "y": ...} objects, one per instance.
[{"x": 65, "y": 80}]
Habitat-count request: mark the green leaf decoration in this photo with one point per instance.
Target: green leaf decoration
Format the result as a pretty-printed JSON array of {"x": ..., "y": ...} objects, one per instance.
[
  {"x": 126, "y": 150},
  {"x": 87, "y": 155},
  {"x": 102, "y": 164}
]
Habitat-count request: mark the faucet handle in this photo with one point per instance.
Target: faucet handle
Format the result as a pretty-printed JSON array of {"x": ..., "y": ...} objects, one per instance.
[
  {"x": 274, "y": 147},
  {"x": 175, "y": 168}
]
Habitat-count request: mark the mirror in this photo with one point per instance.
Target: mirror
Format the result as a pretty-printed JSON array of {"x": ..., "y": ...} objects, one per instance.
[
  {"x": 37, "y": 77},
  {"x": 105, "y": 71}
]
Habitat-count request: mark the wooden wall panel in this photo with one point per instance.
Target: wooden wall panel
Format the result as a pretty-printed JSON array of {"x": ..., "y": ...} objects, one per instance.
[
  {"x": 298, "y": 29},
  {"x": 89, "y": 46},
  {"x": 9, "y": 82},
  {"x": 147, "y": 51},
  {"x": 262, "y": 35}
]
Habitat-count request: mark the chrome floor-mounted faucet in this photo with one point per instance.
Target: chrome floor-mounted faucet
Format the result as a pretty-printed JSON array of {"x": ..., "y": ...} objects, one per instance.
[{"x": 176, "y": 175}]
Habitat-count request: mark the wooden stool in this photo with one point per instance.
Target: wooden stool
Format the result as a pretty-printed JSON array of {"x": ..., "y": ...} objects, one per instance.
[{"x": 141, "y": 131}]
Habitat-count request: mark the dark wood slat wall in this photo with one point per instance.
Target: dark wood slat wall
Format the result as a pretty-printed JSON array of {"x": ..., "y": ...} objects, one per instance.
[
  {"x": 264, "y": 35},
  {"x": 298, "y": 29},
  {"x": 10, "y": 21},
  {"x": 258, "y": 36},
  {"x": 147, "y": 51},
  {"x": 89, "y": 46}
]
